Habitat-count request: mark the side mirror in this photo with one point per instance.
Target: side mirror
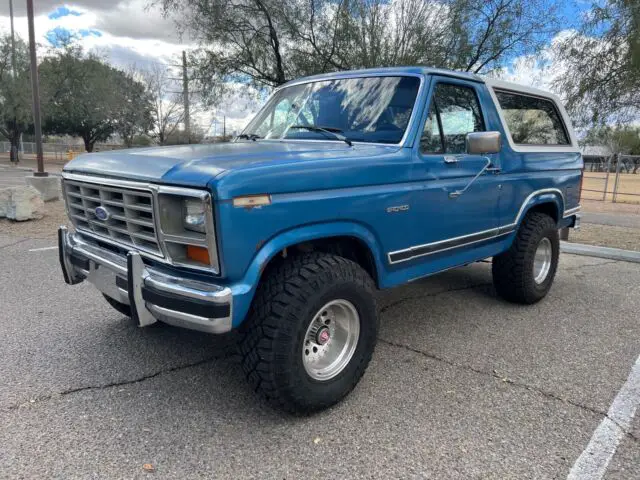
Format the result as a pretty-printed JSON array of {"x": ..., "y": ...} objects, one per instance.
[{"x": 483, "y": 143}]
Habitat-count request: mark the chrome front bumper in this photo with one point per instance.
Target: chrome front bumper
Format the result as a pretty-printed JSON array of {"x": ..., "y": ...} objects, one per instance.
[{"x": 152, "y": 294}]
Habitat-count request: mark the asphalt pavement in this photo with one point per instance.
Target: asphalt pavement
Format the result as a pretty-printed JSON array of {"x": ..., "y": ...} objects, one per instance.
[
  {"x": 612, "y": 219},
  {"x": 462, "y": 384}
]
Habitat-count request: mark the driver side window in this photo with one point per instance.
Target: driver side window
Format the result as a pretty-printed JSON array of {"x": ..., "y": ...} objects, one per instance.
[{"x": 454, "y": 112}]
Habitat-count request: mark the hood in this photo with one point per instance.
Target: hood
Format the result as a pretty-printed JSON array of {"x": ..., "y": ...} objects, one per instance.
[{"x": 198, "y": 165}]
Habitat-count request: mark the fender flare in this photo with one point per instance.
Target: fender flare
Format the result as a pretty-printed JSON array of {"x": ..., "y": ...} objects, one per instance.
[
  {"x": 244, "y": 290},
  {"x": 538, "y": 197}
]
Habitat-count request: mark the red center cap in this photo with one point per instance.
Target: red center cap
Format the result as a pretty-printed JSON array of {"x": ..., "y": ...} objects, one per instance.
[{"x": 323, "y": 336}]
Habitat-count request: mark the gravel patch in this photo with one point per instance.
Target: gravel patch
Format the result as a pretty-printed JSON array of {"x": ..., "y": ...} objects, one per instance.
[{"x": 44, "y": 228}]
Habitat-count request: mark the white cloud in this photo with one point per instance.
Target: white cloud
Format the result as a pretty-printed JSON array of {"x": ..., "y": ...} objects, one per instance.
[
  {"x": 129, "y": 34},
  {"x": 539, "y": 71}
]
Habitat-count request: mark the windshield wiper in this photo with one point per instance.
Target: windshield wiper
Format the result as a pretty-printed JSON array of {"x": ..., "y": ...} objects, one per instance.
[
  {"x": 335, "y": 132},
  {"x": 249, "y": 136}
]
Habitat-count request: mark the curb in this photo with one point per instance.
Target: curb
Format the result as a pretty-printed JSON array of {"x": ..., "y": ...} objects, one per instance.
[{"x": 601, "y": 252}]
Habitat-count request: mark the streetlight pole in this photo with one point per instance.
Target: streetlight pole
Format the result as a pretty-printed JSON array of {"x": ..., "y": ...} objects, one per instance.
[{"x": 35, "y": 88}]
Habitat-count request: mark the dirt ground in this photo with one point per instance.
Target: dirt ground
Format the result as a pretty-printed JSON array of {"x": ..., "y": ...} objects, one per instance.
[
  {"x": 607, "y": 236},
  {"x": 46, "y": 227},
  {"x": 609, "y": 207},
  {"x": 628, "y": 188}
]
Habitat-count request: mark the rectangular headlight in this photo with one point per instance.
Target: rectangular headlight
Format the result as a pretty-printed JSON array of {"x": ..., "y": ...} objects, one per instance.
[
  {"x": 187, "y": 232},
  {"x": 194, "y": 216}
]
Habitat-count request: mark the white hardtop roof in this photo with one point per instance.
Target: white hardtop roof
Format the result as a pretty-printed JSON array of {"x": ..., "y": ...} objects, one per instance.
[{"x": 516, "y": 87}]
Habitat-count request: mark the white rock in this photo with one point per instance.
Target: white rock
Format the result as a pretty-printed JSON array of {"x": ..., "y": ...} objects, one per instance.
[
  {"x": 25, "y": 204},
  {"x": 5, "y": 198}
]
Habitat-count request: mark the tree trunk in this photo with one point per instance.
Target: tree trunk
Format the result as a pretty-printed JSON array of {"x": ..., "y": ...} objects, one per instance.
[
  {"x": 88, "y": 143},
  {"x": 15, "y": 147}
]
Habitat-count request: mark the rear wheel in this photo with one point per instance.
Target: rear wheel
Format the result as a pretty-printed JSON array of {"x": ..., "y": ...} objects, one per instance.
[
  {"x": 310, "y": 333},
  {"x": 525, "y": 272}
]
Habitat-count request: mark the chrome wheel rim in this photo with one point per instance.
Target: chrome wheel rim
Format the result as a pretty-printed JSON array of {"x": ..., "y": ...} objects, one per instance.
[
  {"x": 542, "y": 261},
  {"x": 331, "y": 340}
]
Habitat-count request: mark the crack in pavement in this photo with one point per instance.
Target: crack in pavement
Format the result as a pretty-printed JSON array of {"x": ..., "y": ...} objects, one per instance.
[
  {"x": 141, "y": 379},
  {"x": 572, "y": 269},
  {"x": 509, "y": 381},
  {"x": 15, "y": 243},
  {"x": 430, "y": 295}
]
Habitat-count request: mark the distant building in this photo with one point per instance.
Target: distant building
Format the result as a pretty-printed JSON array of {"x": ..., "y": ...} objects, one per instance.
[{"x": 596, "y": 157}]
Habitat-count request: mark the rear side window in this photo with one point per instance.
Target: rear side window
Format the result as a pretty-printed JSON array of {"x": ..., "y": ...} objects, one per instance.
[{"x": 532, "y": 120}]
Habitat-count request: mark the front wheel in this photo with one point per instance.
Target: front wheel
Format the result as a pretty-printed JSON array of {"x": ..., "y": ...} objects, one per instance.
[
  {"x": 525, "y": 272},
  {"x": 310, "y": 333}
]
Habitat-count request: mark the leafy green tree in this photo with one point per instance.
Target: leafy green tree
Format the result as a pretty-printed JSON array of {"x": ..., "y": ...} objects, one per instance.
[
  {"x": 602, "y": 64},
  {"x": 15, "y": 93},
  {"x": 269, "y": 42},
  {"x": 83, "y": 96}
]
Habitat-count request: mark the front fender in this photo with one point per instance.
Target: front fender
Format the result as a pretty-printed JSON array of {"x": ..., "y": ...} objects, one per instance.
[{"x": 244, "y": 290}]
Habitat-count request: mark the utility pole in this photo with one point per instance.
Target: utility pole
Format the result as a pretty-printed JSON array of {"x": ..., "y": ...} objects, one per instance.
[
  {"x": 185, "y": 92},
  {"x": 13, "y": 155},
  {"x": 224, "y": 127},
  {"x": 36, "y": 92},
  {"x": 13, "y": 40}
]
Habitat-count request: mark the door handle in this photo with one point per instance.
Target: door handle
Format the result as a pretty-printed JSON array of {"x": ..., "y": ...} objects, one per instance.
[
  {"x": 450, "y": 159},
  {"x": 493, "y": 169}
]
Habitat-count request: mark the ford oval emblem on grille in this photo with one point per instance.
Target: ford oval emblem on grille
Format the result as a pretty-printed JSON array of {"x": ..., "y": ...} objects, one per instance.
[{"x": 102, "y": 213}]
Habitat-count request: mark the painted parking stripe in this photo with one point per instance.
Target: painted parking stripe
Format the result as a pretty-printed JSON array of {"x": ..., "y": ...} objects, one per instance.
[
  {"x": 43, "y": 249},
  {"x": 592, "y": 463}
]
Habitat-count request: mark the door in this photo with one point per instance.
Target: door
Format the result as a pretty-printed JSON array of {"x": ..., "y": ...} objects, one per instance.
[{"x": 453, "y": 212}]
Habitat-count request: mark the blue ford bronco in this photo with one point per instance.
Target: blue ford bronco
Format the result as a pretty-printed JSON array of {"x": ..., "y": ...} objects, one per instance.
[{"x": 342, "y": 184}]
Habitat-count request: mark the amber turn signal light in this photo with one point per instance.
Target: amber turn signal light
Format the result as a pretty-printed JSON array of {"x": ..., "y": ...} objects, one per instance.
[{"x": 198, "y": 254}]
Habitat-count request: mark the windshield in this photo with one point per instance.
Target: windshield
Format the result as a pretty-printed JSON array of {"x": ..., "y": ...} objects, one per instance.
[{"x": 368, "y": 109}]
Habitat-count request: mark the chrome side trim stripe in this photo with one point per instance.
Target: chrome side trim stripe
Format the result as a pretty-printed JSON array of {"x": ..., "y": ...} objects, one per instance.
[
  {"x": 572, "y": 211},
  {"x": 443, "y": 245},
  {"x": 472, "y": 238}
]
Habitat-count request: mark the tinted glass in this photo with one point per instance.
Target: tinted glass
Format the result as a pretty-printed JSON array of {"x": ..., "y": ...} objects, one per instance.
[
  {"x": 532, "y": 120},
  {"x": 370, "y": 109},
  {"x": 459, "y": 111}
]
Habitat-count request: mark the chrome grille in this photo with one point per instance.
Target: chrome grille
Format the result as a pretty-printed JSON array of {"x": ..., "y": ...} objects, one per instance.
[{"x": 131, "y": 221}]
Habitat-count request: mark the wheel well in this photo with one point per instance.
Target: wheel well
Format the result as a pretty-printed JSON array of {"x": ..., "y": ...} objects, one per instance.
[
  {"x": 345, "y": 246},
  {"x": 548, "y": 208}
]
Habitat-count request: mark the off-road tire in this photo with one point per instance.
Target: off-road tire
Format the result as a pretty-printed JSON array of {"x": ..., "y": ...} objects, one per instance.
[
  {"x": 513, "y": 270},
  {"x": 271, "y": 338}
]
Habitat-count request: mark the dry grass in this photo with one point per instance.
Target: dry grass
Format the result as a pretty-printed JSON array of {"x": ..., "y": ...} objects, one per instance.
[{"x": 628, "y": 188}]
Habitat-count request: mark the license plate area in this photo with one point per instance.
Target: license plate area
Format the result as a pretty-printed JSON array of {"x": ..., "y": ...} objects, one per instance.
[{"x": 108, "y": 282}]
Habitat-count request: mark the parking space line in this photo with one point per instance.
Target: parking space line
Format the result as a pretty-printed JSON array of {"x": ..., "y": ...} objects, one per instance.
[
  {"x": 43, "y": 249},
  {"x": 592, "y": 463}
]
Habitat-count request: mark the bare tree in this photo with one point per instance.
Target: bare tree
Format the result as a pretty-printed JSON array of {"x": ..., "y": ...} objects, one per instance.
[
  {"x": 167, "y": 105},
  {"x": 269, "y": 42}
]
